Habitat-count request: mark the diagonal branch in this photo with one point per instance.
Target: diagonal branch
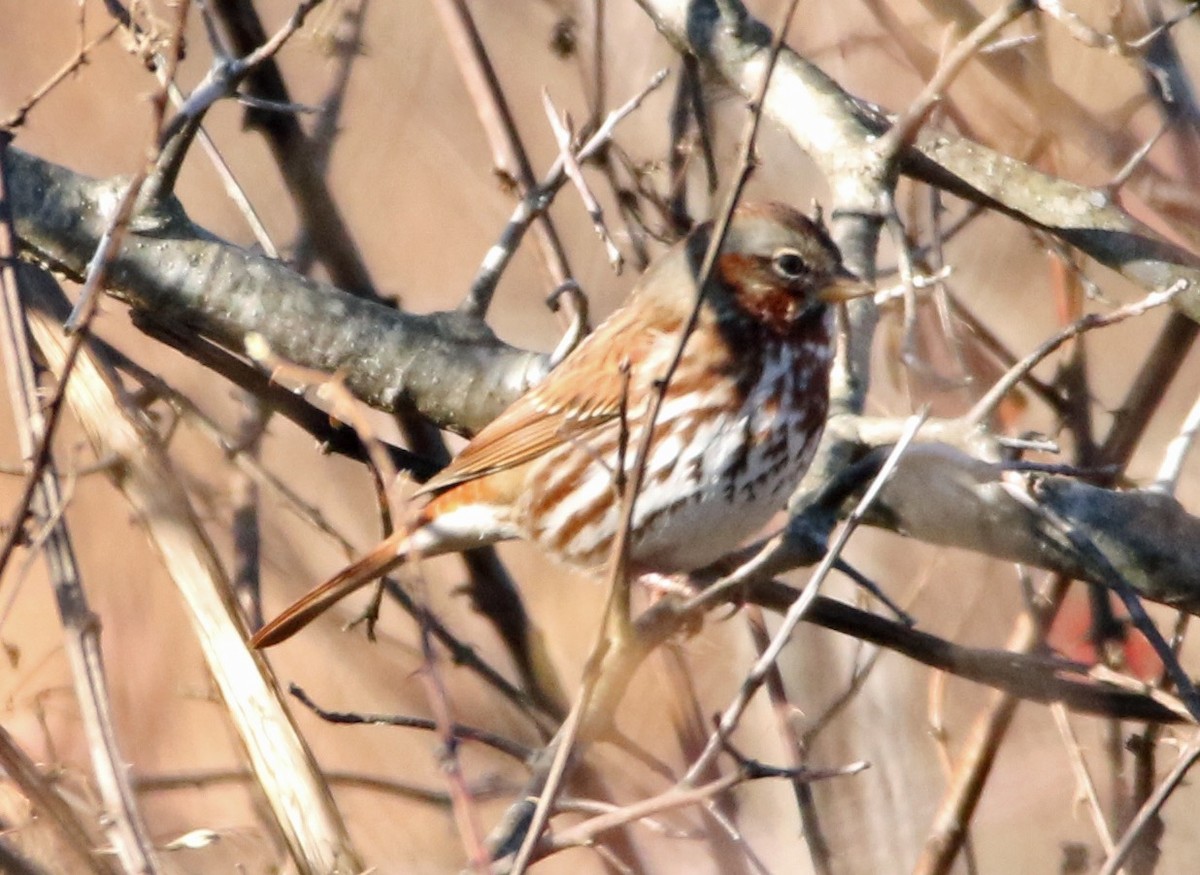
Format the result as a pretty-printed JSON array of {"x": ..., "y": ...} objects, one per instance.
[
  {"x": 449, "y": 366},
  {"x": 836, "y": 130}
]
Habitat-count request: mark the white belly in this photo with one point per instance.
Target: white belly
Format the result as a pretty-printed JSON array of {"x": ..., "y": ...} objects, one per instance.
[{"x": 712, "y": 478}]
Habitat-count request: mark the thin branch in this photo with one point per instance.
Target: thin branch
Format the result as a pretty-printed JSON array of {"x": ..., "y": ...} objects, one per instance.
[
  {"x": 43, "y": 496},
  {"x": 561, "y": 126},
  {"x": 1187, "y": 758},
  {"x": 221, "y": 81},
  {"x": 1177, "y": 452},
  {"x": 462, "y": 802},
  {"x": 1085, "y": 785},
  {"x": 680, "y": 797},
  {"x": 986, "y": 405},
  {"x": 76, "y": 845},
  {"x": 18, "y": 116},
  {"x": 198, "y": 778},
  {"x": 785, "y": 713},
  {"x": 509, "y": 156},
  {"x": 297, "y": 797},
  {"x": 900, "y": 135},
  {"x": 483, "y": 286},
  {"x": 493, "y": 740},
  {"x": 295, "y": 155}
]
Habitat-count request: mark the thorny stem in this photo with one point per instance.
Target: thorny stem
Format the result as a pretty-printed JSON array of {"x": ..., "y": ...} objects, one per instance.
[
  {"x": 902, "y": 132},
  {"x": 498, "y": 742},
  {"x": 43, "y": 496},
  {"x": 130, "y": 838},
  {"x": 222, "y": 80},
  {"x": 85, "y": 308},
  {"x": 462, "y": 803}
]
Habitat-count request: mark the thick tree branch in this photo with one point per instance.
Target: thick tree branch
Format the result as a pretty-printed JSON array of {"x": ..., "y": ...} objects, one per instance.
[
  {"x": 450, "y": 367},
  {"x": 941, "y": 495},
  {"x": 837, "y": 131}
]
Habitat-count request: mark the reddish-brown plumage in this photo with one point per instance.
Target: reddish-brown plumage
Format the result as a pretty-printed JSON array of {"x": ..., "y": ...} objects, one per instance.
[{"x": 736, "y": 430}]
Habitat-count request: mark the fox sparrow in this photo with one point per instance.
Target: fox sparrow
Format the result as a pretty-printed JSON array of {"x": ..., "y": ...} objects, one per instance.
[{"x": 735, "y": 432}]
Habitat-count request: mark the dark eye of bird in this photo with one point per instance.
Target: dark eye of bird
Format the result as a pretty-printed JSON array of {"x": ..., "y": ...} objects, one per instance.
[{"x": 789, "y": 264}]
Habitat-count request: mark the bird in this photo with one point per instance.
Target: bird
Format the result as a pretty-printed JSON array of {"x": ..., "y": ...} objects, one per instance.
[{"x": 737, "y": 426}]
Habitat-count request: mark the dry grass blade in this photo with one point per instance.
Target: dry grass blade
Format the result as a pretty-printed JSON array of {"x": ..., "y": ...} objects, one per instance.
[
  {"x": 282, "y": 763},
  {"x": 43, "y": 497}
]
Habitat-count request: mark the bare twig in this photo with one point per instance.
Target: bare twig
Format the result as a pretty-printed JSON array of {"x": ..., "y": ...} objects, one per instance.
[
  {"x": 565, "y": 137},
  {"x": 1187, "y": 758},
  {"x": 947, "y": 832},
  {"x": 85, "y": 308},
  {"x": 1085, "y": 785},
  {"x": 504, "y": 745},
  {"x": 297, "y": 796},
  {"x": 1135, "y": 160},
  {"x": 221, "y": 81},
  {"x": 76, "y": 842},
  {"x": 900, "y": 135},
  {"x": 509, "y": 156},
  {"x": 295, "y": 155},
  {"x": 785, "y": 714},
  {"x": 125, "y": 828},
  {"x": 1177, "y": 452},
  {"x": 164, "y": 783},
  {"x": 679, "y": 797},
  {"x": 462, "y": 802},
  {"x": 483, "y": 286},
  {"x": 986, "y": 405},
  {"x": 18, "y": 116}
]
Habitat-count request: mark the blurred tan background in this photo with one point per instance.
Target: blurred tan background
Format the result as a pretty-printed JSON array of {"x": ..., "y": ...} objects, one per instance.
[{"x": 412, "y": 172}]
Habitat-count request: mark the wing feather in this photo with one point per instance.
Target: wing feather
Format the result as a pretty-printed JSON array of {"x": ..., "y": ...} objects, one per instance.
[{"x": 581, "y": 396}]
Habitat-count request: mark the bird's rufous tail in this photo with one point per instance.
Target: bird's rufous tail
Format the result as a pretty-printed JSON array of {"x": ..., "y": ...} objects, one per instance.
[{"x": 386, "y": 556}]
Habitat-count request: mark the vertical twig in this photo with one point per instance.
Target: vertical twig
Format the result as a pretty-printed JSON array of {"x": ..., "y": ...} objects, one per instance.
[
  {"x": 948, "y": 831},
  {"x": 466, "y": 814}
]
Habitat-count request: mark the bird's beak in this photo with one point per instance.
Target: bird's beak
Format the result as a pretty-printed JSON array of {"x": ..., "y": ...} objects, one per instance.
[{"x": 844, "y": 286}]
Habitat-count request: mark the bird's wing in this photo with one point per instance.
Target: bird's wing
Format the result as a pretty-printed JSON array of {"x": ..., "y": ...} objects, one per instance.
[{"x": 583, "y": 394}]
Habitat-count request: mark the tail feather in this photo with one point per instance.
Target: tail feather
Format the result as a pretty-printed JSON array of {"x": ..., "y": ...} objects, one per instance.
[{"x": 386, "y": 556}]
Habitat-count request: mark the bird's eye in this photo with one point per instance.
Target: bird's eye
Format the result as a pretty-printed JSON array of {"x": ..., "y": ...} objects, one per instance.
[{"x": 789, "y": 264}]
